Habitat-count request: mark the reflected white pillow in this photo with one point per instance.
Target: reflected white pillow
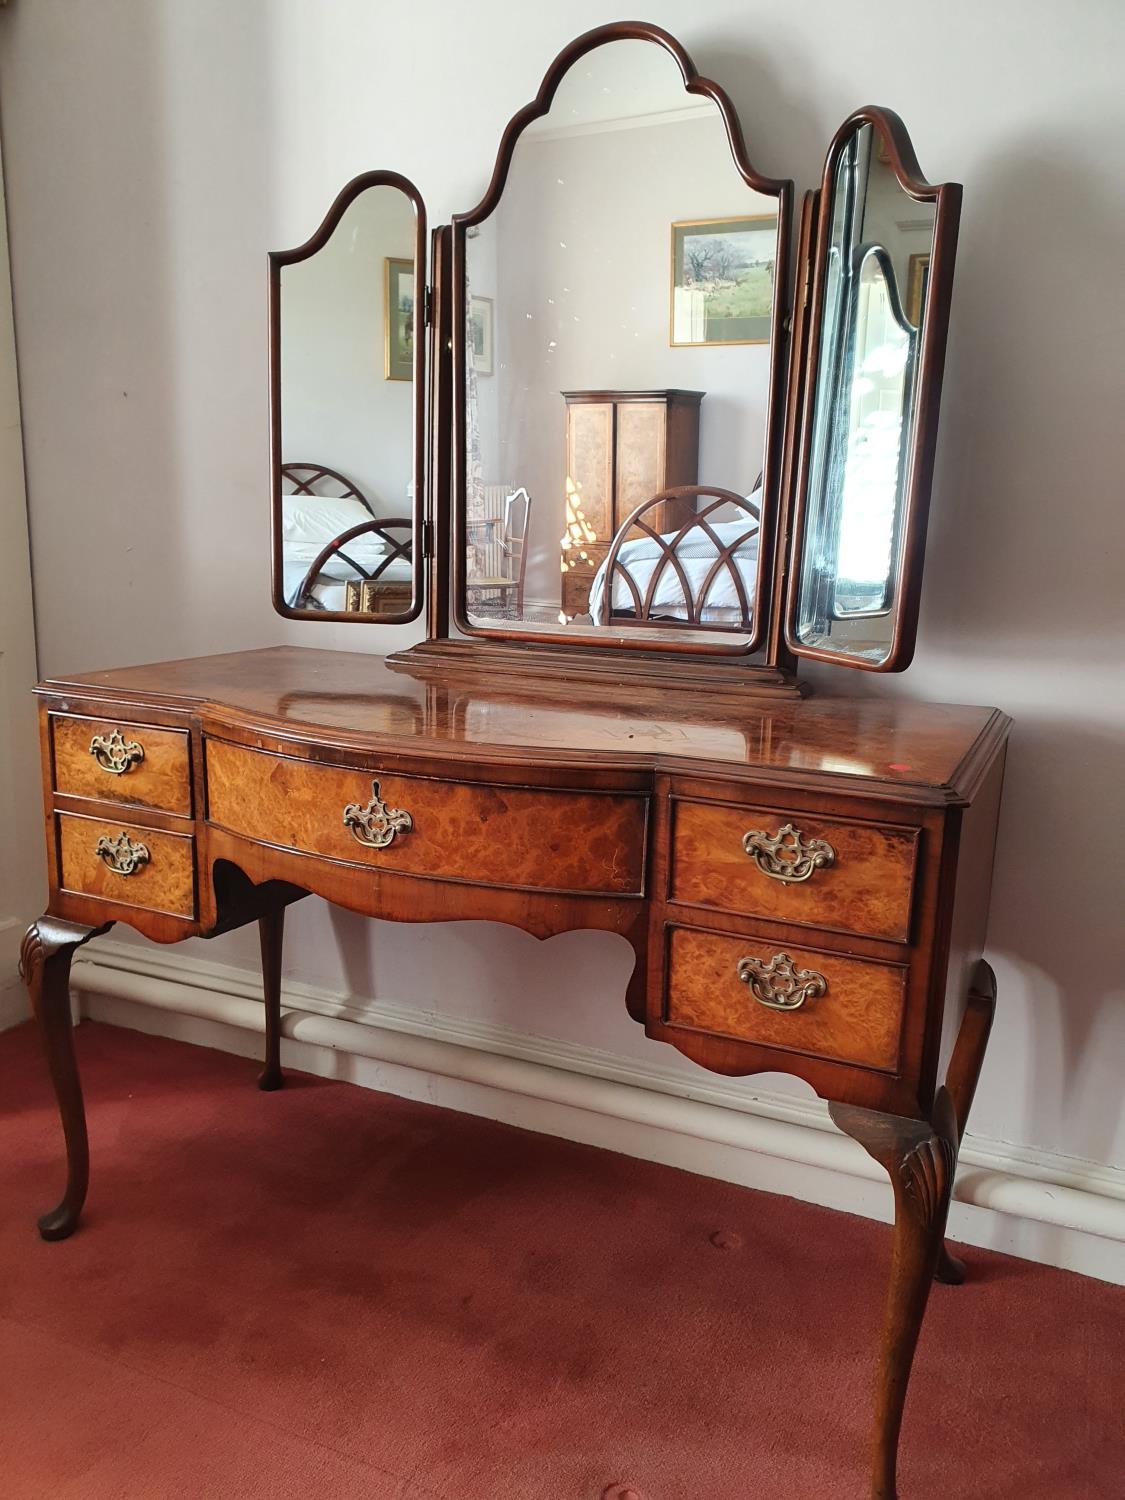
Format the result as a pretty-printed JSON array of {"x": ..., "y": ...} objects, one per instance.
[
  {"x": 365, "y": 551},
  {"x": 315, "y": 520}
]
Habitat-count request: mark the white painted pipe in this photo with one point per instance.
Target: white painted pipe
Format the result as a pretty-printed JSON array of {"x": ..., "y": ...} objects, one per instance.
[
  {"x": 1003, "y": 1192},
  {"x": 707, "y": 1122}
]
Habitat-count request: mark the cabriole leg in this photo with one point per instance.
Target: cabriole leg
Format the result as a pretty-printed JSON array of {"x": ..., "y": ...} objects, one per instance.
[
  {"x": 920, "y": 1159},
  {"x": 964, "y": 1075},
  {"x": 45, "y": 955},
  {"x": 270, "y": 932}
]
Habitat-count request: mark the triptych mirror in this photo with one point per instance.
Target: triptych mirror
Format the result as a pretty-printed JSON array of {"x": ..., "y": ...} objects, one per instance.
[{"x": 624, "y": 411}]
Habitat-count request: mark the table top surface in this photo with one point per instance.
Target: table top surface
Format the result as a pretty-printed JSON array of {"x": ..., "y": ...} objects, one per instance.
[{"x": 356, "y": 698}]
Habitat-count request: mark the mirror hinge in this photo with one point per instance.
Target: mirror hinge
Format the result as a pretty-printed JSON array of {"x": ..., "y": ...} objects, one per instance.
[
  {"x": 427, "y": 539},
  {"x": 428, "y": 308}
]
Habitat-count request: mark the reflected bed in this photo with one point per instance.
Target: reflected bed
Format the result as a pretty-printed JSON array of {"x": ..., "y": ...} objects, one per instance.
[
  {"x": 337, "y": 554},
  {"x": 705, "y": 573}
]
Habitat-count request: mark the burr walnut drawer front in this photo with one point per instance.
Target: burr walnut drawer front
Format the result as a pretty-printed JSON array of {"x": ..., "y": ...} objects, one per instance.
[
  {"x": 589, "y": 843},
  {"x": 791, "y": 867},
  {"x": 796, "y": 999},
  {"x": 128, "y": 864},
  {"x": 115, "y": 761}
]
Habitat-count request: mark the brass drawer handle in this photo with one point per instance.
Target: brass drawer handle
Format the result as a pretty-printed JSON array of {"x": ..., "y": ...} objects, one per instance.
[
  {"x": 778, "y": 985},
  {"x": 121, "y": 855},
  {"x": 787, "y": 855},
  {"x": 115, "y": 754},
  {"x": 376, "y": 824}
]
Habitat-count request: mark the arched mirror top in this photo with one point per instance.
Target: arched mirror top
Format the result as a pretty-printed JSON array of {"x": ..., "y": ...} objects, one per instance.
[
  {"x": 620, "y": 296},
  {"x": 896, "y": 151},
  {"x": 340, "y": 205},
  {"x": 582, "y": 46}
]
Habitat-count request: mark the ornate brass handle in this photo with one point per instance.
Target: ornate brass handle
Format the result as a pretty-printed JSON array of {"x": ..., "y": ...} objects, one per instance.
[
  {"x": 376, "y": 824},
  {"x": 121, "y": 855},
  {"x": 787, "y": 855},
  {"x": 778, "y": 985},
  {"x": 115, "y": 754}
]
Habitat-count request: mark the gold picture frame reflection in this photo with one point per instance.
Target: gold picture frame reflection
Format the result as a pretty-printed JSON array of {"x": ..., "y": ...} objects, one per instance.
[
  {"x": 723, "y": 277},
  {"x": 398, "y": 319},
  {"x": 480, "y": 324},
  {"x": 917, "y": 280}
]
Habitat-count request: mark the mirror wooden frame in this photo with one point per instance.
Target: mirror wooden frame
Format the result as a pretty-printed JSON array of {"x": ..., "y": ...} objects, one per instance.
[
  {"x": 648, "y": 640},
  {"x": 946, "y": 198},
  {"x": 278, "y": 260}
]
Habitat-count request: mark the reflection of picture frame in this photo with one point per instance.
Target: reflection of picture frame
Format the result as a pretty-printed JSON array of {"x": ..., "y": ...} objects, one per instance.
[
  {"x": 480, "y": 324},
  {"x": 917, "y": 280},
  {"x": 367, "y": 596},
  {"x": 398, "y": 320},
  {"x": 723, "y": 273}
]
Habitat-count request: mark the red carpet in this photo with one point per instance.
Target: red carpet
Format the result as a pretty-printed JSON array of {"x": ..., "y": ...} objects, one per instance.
[{"x": 331, "y": 1293}]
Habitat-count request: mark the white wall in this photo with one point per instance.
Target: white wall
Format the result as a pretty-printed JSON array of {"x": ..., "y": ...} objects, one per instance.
[
  {"x": 155, "y": 151},
  {"x": 22, "y": 858}
]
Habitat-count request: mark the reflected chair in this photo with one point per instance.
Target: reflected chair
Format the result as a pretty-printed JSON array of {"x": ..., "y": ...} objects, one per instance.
[{"x": 499, "y": 591}]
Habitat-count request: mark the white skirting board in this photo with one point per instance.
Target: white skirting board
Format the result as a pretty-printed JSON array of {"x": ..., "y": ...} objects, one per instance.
[
  {"x": 14, "y": 1005},
  {"x": 1038, "y": 1205}
]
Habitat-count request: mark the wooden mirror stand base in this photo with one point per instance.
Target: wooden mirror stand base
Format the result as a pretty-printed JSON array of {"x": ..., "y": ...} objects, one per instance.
[
  {"x": 805, "y": 886},
  {"x": 729, "y": 680}
]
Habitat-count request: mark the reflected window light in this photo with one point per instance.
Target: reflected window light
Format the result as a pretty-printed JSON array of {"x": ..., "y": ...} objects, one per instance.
[
  {"x": 870, "y": 487},
  {"x": 886, "y": 359},
  {"x": 579, "y": 533}
]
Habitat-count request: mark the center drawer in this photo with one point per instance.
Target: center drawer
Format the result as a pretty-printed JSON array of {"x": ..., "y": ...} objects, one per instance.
[{"x": 588, "y": 843}]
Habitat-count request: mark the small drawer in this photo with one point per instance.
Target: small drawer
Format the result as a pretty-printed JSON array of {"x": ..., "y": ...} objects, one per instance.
[
  {"x": 588, "y": 843},
  {"x": 125, "y": 863},
  {"x": 135, "y": 764},
  {"x": 795, "y": 999},
  {"x": 790, "y": 867}
]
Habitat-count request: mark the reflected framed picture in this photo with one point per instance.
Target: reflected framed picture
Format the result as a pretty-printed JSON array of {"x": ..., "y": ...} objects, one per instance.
[
  {"x": 480, "y": 323},
  {"x": 723, "y": 273},
  {"x": 917, "y": 279},
  {"x": 398, "y": 320}
]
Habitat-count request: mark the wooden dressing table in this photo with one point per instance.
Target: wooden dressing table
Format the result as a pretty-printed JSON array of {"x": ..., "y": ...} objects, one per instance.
[
  {"x": 190, "y": 797},
  {"x": 804, "y": 883}
]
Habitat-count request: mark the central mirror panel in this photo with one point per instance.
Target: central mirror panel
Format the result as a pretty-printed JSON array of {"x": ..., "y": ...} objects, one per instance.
[
  {"x": 348, "y": 409},
  {"x": 623, "y": 292}
]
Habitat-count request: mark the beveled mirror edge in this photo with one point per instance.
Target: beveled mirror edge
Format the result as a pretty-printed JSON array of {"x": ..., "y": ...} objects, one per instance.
[
  {"x": 778, "y": 650},
  {"x": 438, "y": 510},
  {"x": 278, "y": 260},
  {"x": 946, "y": 198},
  {"x": 782, "y": 190}
]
